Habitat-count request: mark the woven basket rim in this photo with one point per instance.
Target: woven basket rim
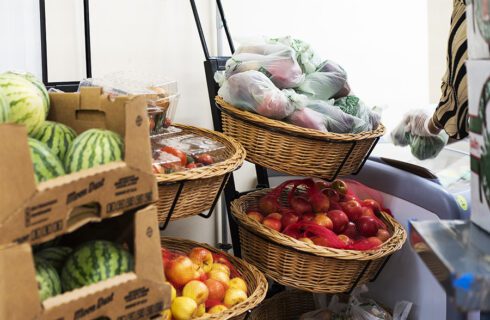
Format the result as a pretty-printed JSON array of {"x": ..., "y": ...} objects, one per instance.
[
  {"x": 290, "y": 129},
  {"x": 253, "y": 300},
  {"x": 214, "y": 170},
  {"x": 393, "y": 244}
]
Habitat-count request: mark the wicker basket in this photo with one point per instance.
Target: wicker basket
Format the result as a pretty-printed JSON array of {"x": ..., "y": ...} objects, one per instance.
[
  {"x": 287, "y": 305},
  {"x": 256, "y": 282},
  {"x": 309, "y": 267},
  {"x": 192, "y": 192},
  {"x": 294, "y": 150}
]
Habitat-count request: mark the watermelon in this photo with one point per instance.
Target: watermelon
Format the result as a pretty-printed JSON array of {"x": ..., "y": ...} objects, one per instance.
[
  {"x": 95, "y": 261},
  {"x": 39, "y": 85},
  {"x": 56, "y": 256},
  {"x": 56, "y": 136},
  {"x": 26, "y": 105},
  {"x": 46, "y": 164},
  {"x": 4, "y": 108},
  {"x": 92, "y": 148},
  {"x": 48, "y": 280}
]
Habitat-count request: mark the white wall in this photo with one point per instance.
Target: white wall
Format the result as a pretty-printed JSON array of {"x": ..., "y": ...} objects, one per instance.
[{"x": 383, "y": 44}]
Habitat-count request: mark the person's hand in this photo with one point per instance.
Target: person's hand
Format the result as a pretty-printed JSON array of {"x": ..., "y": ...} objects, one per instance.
[{"x": 419, "y": 123}]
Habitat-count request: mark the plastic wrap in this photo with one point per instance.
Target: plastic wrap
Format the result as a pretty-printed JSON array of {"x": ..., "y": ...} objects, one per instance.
[
  {"x": 355, "y": 107},
  {"x": 307, "y": 58},
  {"x": 276, "y": 61},
  {"x": 328, "y": 81},
  {"x": 253, "y": 91},
  {"x": 336, "y": 120}
]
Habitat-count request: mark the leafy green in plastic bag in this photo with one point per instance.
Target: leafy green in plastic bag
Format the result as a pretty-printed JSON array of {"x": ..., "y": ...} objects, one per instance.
[
  {"x": 424, "y": 148},
  {"x": 349, "y": 104}
]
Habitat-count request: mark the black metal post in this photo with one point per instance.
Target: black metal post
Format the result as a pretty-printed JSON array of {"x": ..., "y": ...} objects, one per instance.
[
  {"x": 86, "y": 27},
  {"x": 44, "y": 50}
]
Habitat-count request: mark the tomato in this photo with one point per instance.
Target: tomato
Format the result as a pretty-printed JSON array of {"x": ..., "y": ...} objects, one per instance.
[
  {"x": 205, "y": 159},
  {"x": 191, "y": 165},
  {"x": 339, "y": 186},
  {"x": 176, "y": 152}
]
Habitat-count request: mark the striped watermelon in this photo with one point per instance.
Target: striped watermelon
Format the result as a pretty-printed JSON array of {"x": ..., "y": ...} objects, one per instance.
[
  {"x": 25, "y": 101},
  {"x": 48, "y": 281},
  {"x": 92, "y": 148},
  {"x": 39, "y": 85},
  {"x": 4, "y": 108},
  {"x": 46, "y": 164},
  {"x": 56, "y": 256},
  {"x": 95, "y": 261},
  {"x": 56, "y": 136}
]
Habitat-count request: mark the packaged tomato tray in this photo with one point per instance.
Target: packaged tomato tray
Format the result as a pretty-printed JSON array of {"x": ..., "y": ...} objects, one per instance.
[
  {"x": 162, "y": 94},
  {"x": 183, "y": 152}
]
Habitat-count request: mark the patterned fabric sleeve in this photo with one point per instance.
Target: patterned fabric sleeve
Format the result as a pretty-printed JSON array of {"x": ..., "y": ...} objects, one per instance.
[{"x": 452, "y": 111}]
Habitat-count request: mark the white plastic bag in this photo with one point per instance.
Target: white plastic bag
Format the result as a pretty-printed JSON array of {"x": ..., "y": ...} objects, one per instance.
[
  {"x": 276, "y": 61},
  {"x": 336, "y": 120},
  {"x": 328, "y": 81},
  {"x": 253, "y": 91},
  {"x": 307, "y": 58}
]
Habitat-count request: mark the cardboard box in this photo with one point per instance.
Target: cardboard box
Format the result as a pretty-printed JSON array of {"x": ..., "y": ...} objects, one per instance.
[
  {"x": 141, "y": 294},
  {"x": 478, "y": 29},
  {"x": 38, "y": 213},
  {"x": 479, "y": 117}
]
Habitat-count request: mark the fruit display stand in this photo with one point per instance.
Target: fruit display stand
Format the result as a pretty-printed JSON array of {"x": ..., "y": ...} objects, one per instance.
[
  {"x": 286, "y": 305},
  {"x": 295, "y": 150},
  {"x": 141, "y": 292},
  {"x": 307, "y": 266},
  {"x": 192, "y": 192},
  {"x": 255, "y": 280}
]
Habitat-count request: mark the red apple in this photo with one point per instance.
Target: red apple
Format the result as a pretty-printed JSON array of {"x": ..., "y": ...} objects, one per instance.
[
  {"x": 353, "y": 209},
  {"x": 345, "y": 239},
  {"x": 347, "y": 197},
  {"x": 180, "y": 270},
  {"x": 202, "y": 257},
  {"x": 383, "y": 234},
  {"x": 288, "y": 219},
  {"x": 375, "y": 241},
  {"x": 255, "y": 215},
  {"x": 275, "y": 215},
  {"x": 367, "y": 226},
  {"x": 339, "y": 220},
  {"x": 300, "y": 205},
  {"x": 332, "y": 195},
  {"x": 268, "y": 204},
  {"x": 351, "y": 230},
  {"x": 367, "y": 212},
  {"x": 323, "y": 220},
  {"x": 307, "y": 217},
  {"x": 216, "y": 290},
  {"x": 272, "y": 223},
  {"x": 370, "y": 203},
  {"x": 321, "y": 185}
]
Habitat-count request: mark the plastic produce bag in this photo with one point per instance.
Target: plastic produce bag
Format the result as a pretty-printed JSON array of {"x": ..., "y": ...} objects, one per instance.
[
  {"x": 253, "y": 91},
  {"x": 308, "y": 118},
  {"x": 362, "y": 308},
  {"x": 429, "y": 147},
  {"x": 355, "y": 107},
  {"x": 307, "y": 58},
  {"x": 276, "y": 61},
  {"x": 329, "y": 81},
  {"x": 336, "y": 120}
]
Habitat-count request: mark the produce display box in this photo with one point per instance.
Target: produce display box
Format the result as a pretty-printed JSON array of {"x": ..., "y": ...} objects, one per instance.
[
  {"x": 141, "y": 294},
  {"x": 478, "y": 29},
  {"x": 479, "y": 96},
  {"x": 38, "y": 213}
]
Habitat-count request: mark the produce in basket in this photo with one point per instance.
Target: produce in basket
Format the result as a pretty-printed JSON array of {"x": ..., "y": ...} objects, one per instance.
[
  {"x": 341, "y": 215},
  {"x": 308, "y": 59},
  {"x": 92, "y": 148},
  {"x": 354, "y": 106},
  {"x": 27, "y": 101},
  {"x": 327, "y": 82},
  {"x": 276, "y": 61},
  {"x": 203, "y": 282}
]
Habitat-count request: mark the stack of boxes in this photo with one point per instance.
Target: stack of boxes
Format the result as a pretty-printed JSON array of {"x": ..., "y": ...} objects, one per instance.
[
  {"x": 478, "y": 67},
  {"x": 110, "y": 202}
]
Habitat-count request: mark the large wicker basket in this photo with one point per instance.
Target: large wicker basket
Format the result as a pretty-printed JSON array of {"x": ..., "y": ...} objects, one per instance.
[
  {"x": 256, "y": 282},
  {"x": 287, "y": 305},
  {"x": 294, "y": 150},
  {"x": 309, "y": 267},
  {"x": 188, "y": 193}
]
